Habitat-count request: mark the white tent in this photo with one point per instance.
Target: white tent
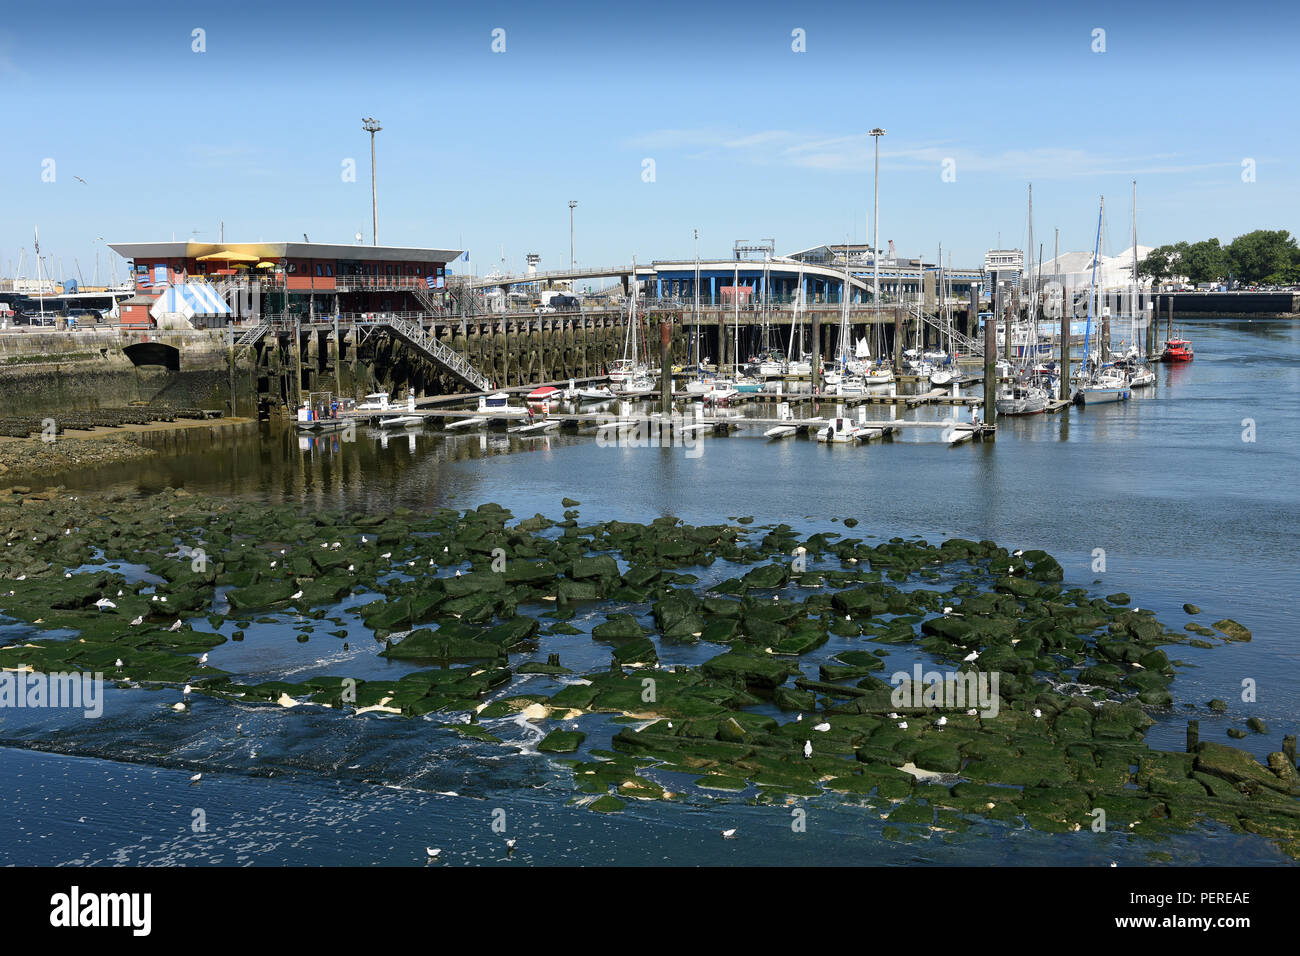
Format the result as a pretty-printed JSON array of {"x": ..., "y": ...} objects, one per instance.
[{"x": 182, "y": 304}]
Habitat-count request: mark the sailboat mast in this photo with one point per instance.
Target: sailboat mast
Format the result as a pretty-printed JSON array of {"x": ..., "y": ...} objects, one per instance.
[
  {"x": 1092, "y": 291},
  {"x": 1133, "y": 323},
  {"x": 735, "y": 342}
]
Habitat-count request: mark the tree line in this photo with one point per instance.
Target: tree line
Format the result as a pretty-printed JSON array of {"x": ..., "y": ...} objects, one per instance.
[{"x": 1268, "y": 256}]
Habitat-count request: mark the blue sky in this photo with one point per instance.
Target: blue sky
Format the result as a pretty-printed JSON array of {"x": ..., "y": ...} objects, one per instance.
[{"x": 749, "y": 139}]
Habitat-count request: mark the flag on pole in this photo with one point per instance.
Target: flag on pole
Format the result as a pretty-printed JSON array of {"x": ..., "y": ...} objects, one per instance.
[
  {"x": 466, "y": 255},
  {"x": 38, "y": 240},
  {"x": 431, "y": 282}
]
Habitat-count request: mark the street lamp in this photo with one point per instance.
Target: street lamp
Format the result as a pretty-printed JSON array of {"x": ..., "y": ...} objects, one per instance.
[
  {"x": 572, "y": 261},
  {"x": 371, "y": 126},
  {"x": 875, "y": 242}
]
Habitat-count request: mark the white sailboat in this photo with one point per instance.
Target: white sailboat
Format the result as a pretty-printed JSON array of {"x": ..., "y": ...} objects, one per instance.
[
  {"x": 1024, "y": 395},
  {"x": 1099, "y": 386},
  {"x": 629, "y": 373}
]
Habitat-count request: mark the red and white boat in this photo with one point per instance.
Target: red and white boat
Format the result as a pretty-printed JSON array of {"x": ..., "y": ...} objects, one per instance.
[
  {"x": 1177, "y": 350},
  {"x": 547, "y": 395}
]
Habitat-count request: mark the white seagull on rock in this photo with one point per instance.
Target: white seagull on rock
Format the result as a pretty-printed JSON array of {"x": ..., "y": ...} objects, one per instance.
[
  {"x": 823, "y": 727},
  {"x": 807, "y": 748},
  {"x": 729, "y": 834},
  {"x": 972, "y": 656},
  {"x": 196, "y": 778},
  {"x": 139, "y": 620},
  {"x": 104, "y": 603}
]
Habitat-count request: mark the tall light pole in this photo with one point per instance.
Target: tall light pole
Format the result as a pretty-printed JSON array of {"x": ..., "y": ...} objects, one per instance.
[
  {"x": 371, "y": 126},
  {"x": 875, "y": 225},
  {"x": 572, "y": 261}
]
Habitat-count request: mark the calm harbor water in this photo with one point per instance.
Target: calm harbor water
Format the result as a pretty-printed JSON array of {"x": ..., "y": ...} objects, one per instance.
[{"x": 1183, "y": 507}]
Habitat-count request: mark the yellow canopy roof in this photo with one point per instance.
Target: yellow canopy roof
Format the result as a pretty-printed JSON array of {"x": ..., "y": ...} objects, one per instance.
[
  {"x": 266, "y": 265},
  {"x": 225, "y": 255}
]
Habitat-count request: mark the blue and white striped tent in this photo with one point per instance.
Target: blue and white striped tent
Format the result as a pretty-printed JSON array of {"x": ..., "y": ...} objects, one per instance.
[{"x": 188, "y": 300}]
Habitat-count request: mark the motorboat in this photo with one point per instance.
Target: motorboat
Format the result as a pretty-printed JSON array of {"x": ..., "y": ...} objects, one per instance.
[
  {"x": 1177, "y": 350},
  {"x": 1021, "y": 398},
  {"x": 374, "y": 402}
]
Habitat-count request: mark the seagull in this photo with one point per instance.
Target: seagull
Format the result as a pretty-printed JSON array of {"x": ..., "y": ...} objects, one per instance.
[
  {"x": 387, "y": 554},
  {"x": 196, "y": 778},
  {"x": 186, "y": 690},
  {"x": 973, "y": 655},
  {"x": 893, "y": 716},
  {"x": 902, "y": 725},
  {"x": 510, "y": 846},
  {"x": 363, "y": 540},
  {"x": 176, "y": 626},
  {"x": 847, "y": 618},
  {"x": 119, "y": 592},
  {"x": 296, "y": 595},
  {"x": 204, "y": 658},
  {"x": 68, "y": 575},
  {"x": 336, "y": 544},
  {"x": 798, "y": 718},
  {"x": 283, "y": 551},
  {"x": 324, "y": 545},
  {"x": 942, "y": 721},
  {"x": 972, "y": 712},
  {"x": 457, "y": 574},
  {"x": 431, "y": 562},
  {"x": 118, "y": 662},
  {"x": 80, "y": 180},
  {"x": 351, "y": 568},
  {"x": 1037, "y": 712},
  {"x": 138, "y": 621},
  {"x": 823, "y": 727},
  {"x": 807, "y": 748},
  {"x": 947, "y": 611},
  {"x": 163, "y": 599},
  {"x": 178, "y": 706},
  {"x": 21, "y": 577},
  {"x": 1016, "y": 554},
  {"x": 432, "y": 852},
  {"x": 274, "y": 563},
  {"x": 1011, "y": 569},
  {"x": 729, "y": 834},
  {"x": 444, "y": 550},
  {"x": 103, "y": 603}
]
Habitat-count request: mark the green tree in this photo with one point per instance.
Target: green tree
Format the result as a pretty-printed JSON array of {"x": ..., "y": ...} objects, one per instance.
[
  {"x": 1265, "y": 255},
  {"x": 1204, "y": 261},
  {"x": 1159, "y": 263}
]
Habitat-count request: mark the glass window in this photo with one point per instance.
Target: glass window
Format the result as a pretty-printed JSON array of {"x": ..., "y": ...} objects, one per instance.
[{"x": 320, "y": 271}]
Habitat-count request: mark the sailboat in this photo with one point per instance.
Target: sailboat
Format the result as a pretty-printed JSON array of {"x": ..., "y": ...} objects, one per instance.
[
  {"x": 1099, "y": 386},
  {"x": 1140, "y": 373},
  {"x": 629, "y": 374},
  {"x": 1024, "y": 395}
]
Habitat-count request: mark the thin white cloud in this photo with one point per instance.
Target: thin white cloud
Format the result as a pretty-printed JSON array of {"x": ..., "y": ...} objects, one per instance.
[{"x": 856, "y": 154}]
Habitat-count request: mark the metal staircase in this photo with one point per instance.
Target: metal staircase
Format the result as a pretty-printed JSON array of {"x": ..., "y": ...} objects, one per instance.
[
  {"x": 415, "y": 335},
  {"x": 964, "y": 342},
  {"x": 252, "y": 335}
]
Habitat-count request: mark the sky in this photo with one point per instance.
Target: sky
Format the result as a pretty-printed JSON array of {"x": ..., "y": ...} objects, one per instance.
[{"x": 742, "y": 120}]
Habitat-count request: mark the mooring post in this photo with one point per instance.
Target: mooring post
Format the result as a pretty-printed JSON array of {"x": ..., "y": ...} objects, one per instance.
[
  {"x": 816, "y": 353},
  {"x": 665, "y": 368},
  {"x": 991, "y": 369},
  {"x": 1193, "y": 735},
  {"x": 1169, "y": 329},
  {"x": 1288, "y": 748},
  {"x": 1065, "y": 355},
  {"x": 898, "y": 339}
]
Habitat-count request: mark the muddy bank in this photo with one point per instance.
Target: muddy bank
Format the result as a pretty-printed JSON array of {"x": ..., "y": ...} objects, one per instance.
[{"x": 35, "y": 458}]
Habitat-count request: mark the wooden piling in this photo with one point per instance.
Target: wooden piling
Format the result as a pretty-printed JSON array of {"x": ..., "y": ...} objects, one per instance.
[
  {"x": 1193, "y": 735},
  {"x": 898, "y": 338},
  {"x": 816, "y": 352},
  {"x": 991, "y": 368},
  {"x": 1288, "y": 748},
  {"x": 665, "y": 368},
  {"x": 1064, "y": 393}
]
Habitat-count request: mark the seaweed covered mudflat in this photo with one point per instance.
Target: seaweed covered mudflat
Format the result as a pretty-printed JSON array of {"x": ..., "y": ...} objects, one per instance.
[{"x": 942, "y": 684}]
